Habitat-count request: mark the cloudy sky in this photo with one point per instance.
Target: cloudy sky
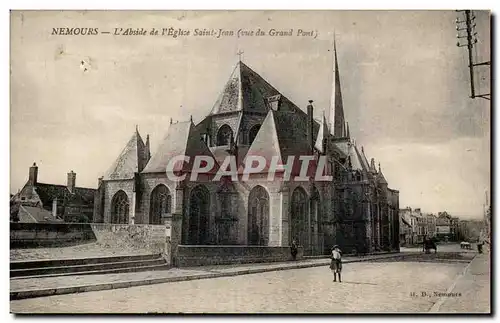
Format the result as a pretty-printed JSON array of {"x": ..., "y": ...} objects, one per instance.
[{"x": 404, "y": 81}]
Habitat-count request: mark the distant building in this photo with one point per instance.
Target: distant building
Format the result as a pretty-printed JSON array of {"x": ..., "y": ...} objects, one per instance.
[
  {"x": 406, "y": 227},
  {"x": 443, "y": 228},
  {"x": 431, "y": 225},
  {"x": 67, "y": 202}
]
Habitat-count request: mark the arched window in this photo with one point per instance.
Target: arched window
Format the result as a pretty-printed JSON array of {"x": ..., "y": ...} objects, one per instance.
[
  {"x": 197, "y": 220},
  {"x": 253, "y": 133},
  {"x": 161, "y": 204},
  {"x": 258, "y": 216},
  {"x": 119, "y": 208},
  {"x": 299, "y": 230},
  {"x": 224, "y": 135}
]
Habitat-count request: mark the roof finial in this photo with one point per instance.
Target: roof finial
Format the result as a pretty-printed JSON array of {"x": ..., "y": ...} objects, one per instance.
[
  {"x": 171, "y": 120},
  {"x": 379, "y": 167},
  {"x": 137, "y": 128},
  {"x": 239, "y": 53},
  {"x": 191, "y": 118}
]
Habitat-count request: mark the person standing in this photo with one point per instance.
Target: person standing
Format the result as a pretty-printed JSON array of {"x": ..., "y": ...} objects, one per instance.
[
  {"x": 294, "y": 250},
  {"x": 336, "y": 264}
]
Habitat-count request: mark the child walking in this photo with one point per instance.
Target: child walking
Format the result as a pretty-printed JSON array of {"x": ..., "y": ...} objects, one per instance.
[{"x": 336, "y": 264}]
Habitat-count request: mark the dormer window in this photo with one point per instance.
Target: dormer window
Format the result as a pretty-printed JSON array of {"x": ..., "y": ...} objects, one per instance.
[{"x": 224, "y": 135}]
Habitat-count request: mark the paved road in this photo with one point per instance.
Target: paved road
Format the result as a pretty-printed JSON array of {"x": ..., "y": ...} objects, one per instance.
[{"x": 367, "y": 287}]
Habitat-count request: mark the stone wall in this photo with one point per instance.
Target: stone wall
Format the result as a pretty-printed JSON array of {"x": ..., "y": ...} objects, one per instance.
[
  {"x": 33, "y": 235},
  {"x": 189, "y": 256},
  {"x": 147, "y": 237}
]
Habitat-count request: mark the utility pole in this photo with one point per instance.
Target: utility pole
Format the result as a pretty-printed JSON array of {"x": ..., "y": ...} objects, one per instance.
[{"x": 468, "y": 25}]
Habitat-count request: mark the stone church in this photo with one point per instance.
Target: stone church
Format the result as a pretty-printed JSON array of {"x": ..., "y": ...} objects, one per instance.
[{"x": 357, "y": 210}]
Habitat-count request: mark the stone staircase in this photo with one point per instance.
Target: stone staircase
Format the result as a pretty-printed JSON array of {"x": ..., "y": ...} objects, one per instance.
[{"x": 86, "y": 266}]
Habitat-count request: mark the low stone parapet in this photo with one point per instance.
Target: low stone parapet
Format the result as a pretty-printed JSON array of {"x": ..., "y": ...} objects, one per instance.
[
  {"x": 190, "y": 255},
  {"x": 33, "y": 235}
]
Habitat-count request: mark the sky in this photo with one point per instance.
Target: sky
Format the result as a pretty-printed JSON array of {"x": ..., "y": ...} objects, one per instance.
[{"x": 405, "y": 87}]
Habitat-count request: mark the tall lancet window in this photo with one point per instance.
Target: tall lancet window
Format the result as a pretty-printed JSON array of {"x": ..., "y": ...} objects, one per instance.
[
  {"x": 119, "y": 208},
  {"x": 258, "y": 216},
  {"x": 161, "y": 202}
]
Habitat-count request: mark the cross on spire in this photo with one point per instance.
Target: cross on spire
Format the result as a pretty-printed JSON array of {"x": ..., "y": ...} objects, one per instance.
[{"x": 239, "y": 53}]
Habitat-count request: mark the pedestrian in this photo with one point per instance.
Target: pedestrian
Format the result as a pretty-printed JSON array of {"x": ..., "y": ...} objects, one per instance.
[
  {"x": 336, "y": 263},
  {"x": 480, "y": 246},
  {"x": 294, "y": 250}
]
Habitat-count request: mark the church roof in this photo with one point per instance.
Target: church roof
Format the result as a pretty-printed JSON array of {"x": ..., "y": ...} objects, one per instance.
[
  {"x": 266, "y": 143},
  {"x": 380, "y": 177},
  {"x": 130, "y": 161},
  {"x": 247, "y": 91},
  {"x": 182, "y": 138},
  {"x": 283, "y": 134},
  {"x": 323, "y": 133},
  {"x": 348, "y": 148}
]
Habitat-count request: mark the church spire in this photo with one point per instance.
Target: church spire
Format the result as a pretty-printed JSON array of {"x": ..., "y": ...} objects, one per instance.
[{"x": 337, "y": 119}]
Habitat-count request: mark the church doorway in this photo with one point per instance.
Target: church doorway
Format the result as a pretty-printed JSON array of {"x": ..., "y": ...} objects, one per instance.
[
  {"x": 299, "y": 220},
  {"x": 119, "y": 208},
  {"x": 258, "y": 217},
  {"x": 160, "y": 204},
  {"x": 199, "y": 210}
]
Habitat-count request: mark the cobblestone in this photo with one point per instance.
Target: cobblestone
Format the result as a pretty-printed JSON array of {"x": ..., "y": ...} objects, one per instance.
[{"x": 366, "y": 287}]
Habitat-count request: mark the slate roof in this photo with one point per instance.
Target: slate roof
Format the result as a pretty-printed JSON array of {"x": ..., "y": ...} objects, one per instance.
[
  {"x": 131, "y": 160},
  {"x": 349, "y": 149},
  {"x": 284, "y": 134},
  {"x": 247, "y": 91},
  {"x": 380, "y": 177},
  {"x": 182, "y": 138},
  {"x": 323, "y": 133},
  {"x": 48, "y": 192},
  {"x": 31, "y": 214}
]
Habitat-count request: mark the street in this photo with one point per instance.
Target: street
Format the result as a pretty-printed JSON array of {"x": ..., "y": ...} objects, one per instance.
[{"x": 387, "y": 287}]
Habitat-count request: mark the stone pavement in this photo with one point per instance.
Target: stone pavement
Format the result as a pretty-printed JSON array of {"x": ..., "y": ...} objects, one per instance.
[
  {"x": 470, "y": 293},
  {"x": 367, "y": 287},
  {"x": 35, "y": 287}
]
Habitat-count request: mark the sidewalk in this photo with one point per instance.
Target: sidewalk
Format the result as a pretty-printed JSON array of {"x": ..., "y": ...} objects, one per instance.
[
  {"x": 38, "y": 287},
  {"x": 470, "y": 292}
]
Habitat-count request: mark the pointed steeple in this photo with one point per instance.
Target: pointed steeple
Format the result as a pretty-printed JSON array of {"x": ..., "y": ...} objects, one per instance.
[
  {"x": 131, "y": 160},
  {"x": 323, "y": 134},
  {"x": 337, "y": 120}
]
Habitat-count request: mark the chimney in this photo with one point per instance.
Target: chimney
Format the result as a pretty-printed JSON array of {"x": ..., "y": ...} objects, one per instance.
[
  {"x": 71, "y": 181},
  {"x": 33, "y": 176},
  {"x": 54, "y": 208},
  {"x": 310, "y": 123}
]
